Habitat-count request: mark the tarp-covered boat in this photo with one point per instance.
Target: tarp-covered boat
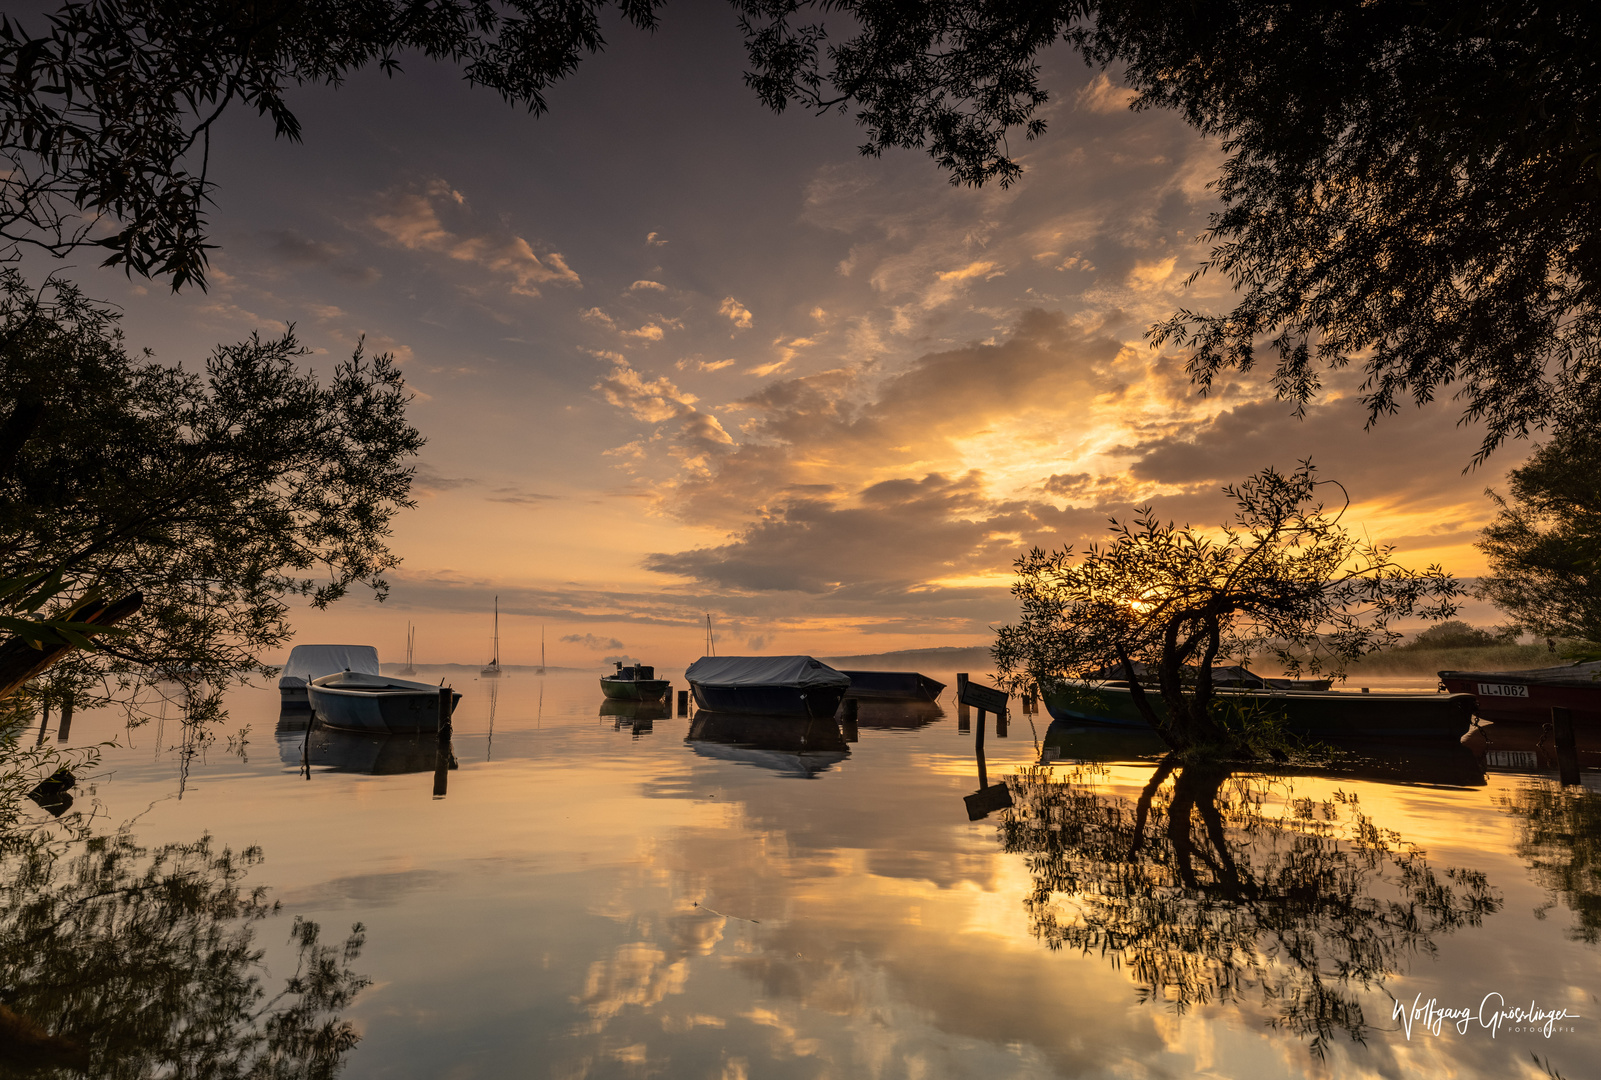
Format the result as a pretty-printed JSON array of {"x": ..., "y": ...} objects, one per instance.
[
  {"x": 1527, "y": 697},
  {"x": 1311, "y": 714},
  {"x": 308, "y": 662},
  {"x": 359, "y": 702},
  {"x": 767, "y": 685},
  {"x": 907, "y": 685}
]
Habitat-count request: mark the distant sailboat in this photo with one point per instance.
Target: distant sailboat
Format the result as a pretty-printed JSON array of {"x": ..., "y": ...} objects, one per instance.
[
  {"x": 541, "y": 670},
  {"x": 492, "y": 669},
  {"x": 411, "y": 642}
]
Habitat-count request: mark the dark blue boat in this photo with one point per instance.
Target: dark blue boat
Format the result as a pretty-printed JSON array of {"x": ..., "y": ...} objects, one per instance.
[
  {"x": 896, "y": 685},
  {"x": 767, "y": 685}
]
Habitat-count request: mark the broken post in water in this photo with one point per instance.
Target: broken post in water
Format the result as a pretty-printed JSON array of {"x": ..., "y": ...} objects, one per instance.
[{"x": 988, "y": 798}]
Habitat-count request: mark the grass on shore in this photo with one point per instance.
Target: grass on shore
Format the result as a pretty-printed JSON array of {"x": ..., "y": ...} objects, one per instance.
[{"x": 1413, "y": 661}]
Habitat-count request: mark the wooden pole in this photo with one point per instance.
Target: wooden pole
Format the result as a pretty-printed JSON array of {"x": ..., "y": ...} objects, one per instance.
[
  {"x": 1567, "y": 745},
  {"x": 683, "y": 703},
  {"x": 445, "y": 695}
]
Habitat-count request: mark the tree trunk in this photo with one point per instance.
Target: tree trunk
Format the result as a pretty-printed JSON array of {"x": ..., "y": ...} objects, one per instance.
[{"x": 20, "y": 661}]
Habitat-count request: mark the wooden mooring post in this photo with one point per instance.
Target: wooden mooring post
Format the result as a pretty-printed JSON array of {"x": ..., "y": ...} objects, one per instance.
[{"x": 1567, "y": 745}]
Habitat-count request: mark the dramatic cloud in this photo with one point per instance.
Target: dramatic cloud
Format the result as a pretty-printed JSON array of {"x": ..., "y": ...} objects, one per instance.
[
  {"x": 412, "y": 220},
  {"x": 737, "y": 313},
  {"x": 1100, "y": 96},
  {"x": 651, "y": 400},
  {"x": 638, "y": 285}
]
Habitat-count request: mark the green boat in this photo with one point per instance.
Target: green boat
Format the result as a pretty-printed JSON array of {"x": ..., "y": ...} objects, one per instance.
[
  {"x": 638, "y": 683},
  {"x": 1312, "y": 714}
]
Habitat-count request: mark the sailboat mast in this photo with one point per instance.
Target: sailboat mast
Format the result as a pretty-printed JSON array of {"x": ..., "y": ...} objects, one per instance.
[{"x": 497, "y": 631}]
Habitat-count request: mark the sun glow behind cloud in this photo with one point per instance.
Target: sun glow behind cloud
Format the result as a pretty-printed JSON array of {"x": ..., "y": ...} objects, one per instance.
[{"x": 832, "y": 410}]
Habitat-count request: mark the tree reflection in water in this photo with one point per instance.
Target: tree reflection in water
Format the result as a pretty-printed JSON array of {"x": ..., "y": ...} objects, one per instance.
[
  {"x": 121, "y": 962},
  {"x": 1559, "y": 836},
  {"x": 1217, "y": 887}
]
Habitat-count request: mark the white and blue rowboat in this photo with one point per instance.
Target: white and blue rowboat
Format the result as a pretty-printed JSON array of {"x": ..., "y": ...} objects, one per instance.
[{"x": 356, "y": 701}]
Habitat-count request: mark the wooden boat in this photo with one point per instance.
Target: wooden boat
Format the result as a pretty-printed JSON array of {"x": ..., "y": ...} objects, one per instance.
[
  {"x": 637, "y": 683},
  {"x": 358, "y": 702},
  {"x": 1527, "y": 697},
  {"x": 767, "y": 685},
  {"x": 906, "y": 685},
  {"x": 1312, "y": 714},
  {"x": 308, "y": 662}
]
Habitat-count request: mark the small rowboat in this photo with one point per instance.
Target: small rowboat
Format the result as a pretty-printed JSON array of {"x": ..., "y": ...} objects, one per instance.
[{"x": 359, "y": 702}]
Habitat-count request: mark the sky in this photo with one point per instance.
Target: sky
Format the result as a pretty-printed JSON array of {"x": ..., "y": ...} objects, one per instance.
[{"x": 674, "y": 354}]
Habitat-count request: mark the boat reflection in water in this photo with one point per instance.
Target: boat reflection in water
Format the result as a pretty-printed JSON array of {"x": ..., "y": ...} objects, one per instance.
[
  {"x": 891, "y": 715},
  {"x": 1449, "y": 764},
  {"x": 335, "y": 750},
  {"x": 1514, "y": 747},
  {"x": 797, "y": 746},
  {"x": 638, "y": 717},
  {"x": 1197, "y": 885}
]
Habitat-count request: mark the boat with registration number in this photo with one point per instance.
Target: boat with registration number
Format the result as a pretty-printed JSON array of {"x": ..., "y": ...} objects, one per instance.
[
  {"x": 356, "y": 701},
  {"x": 1306, "y": 713},
  {"x": 1527, "y": 697}
]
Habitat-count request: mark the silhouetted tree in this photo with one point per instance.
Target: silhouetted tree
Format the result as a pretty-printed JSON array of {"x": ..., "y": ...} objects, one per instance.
[
  {"x": 1285, "y": 577},
  {"x": 1559, "y": 836},
  {"x": 216, "y": 495},
  {"x": 121, "y": 962},
  {"x": 1544, "y": 545},
  {"x": 1209, "y": 888},
  {"x": 106, "y": 109}
]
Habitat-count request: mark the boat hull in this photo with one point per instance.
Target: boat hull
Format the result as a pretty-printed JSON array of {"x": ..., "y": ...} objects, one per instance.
[
  {"x": 893, "y": 685},
  {"x": 634, "y": 689},
  {"x": 294, "y": 698},
  {"x": 1312, "y": 714},
  {"x": 379, "y": 711},
  {"x": 817, "y": 702},
  {"x": 1511, "y": 697}
]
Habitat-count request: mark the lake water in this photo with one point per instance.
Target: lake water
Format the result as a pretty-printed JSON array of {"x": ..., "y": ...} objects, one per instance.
[{"x": 593, "y": 896}]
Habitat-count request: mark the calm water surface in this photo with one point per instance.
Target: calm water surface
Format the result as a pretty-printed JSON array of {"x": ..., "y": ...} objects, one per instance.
[{"x": 599, "y": 897}]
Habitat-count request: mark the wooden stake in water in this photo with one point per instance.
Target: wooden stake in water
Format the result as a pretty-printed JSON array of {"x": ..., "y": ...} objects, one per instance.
[{"x": 1567, "y": 745}]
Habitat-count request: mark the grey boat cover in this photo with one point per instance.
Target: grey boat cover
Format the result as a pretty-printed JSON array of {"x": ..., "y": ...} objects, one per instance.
[
  {"x": 802, "y": 672},
  {"x": 308, "y": 662}
]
